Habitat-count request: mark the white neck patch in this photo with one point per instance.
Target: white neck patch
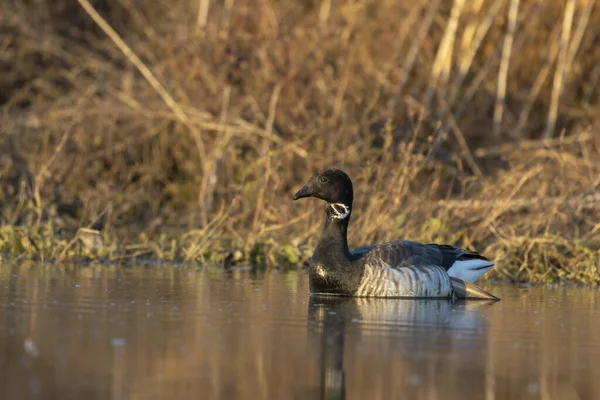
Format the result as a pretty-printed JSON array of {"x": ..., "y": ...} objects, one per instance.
[{"x": 339, "y": 210}]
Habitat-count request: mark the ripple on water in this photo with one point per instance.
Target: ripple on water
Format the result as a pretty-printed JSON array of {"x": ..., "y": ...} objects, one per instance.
[{"x": 161, "y": 332}]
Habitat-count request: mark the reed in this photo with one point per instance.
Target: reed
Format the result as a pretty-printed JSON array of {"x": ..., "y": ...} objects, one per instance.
[{"x": 179, "y": 130}]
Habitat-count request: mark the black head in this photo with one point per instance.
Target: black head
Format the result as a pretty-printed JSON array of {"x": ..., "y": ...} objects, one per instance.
[{"x": 331, "y": 185}]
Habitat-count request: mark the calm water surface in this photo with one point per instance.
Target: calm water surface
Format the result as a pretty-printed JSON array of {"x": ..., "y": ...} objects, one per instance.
[{"x": 177, "y": 333}]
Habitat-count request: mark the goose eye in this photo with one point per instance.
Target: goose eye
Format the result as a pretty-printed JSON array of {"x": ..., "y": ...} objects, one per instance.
[{"x": 323, "y": 179}]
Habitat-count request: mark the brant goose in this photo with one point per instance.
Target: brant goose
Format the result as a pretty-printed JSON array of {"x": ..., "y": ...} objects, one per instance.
[{"x": 395, "y": 269}]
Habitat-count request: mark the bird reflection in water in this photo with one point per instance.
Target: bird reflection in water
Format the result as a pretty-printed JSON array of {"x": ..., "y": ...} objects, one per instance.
[{"x": 401, "y": 323}]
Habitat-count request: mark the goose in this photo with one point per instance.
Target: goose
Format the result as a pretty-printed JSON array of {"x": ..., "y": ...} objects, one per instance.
[{"x": 399, "y": 268}]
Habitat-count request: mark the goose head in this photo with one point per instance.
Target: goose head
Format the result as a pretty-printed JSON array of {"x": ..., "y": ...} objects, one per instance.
[{"x": 332, "y": 185}]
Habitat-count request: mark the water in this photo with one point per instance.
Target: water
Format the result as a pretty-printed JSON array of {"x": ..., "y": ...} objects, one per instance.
[{"x": 175, "y": 333}]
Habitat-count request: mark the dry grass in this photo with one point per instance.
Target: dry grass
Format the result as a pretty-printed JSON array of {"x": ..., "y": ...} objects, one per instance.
[{"x": 179, "y": 130}]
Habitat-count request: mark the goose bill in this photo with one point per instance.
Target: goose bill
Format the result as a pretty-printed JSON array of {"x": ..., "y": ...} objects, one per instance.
[{"x": 306, "y": 191}]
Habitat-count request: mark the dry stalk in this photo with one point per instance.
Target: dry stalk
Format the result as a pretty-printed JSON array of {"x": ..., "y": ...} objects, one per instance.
[
  {"x": 561, "y": 68},
  {"x": 210, "y": 230},
  {"x": 412, "y": 54},
  {"x": 227, "y": 17},
  {"x": 38, "y": 182},
  {"x": 145, "y": 71},
  {"x": 473, "y": 8},
  {"x": 400, "y": 40},
  {"x": 537, "y": 85},
  {"x": 592, "y": 86},
  {"x": 266, "y": 159},
  {"x": 283, "y": 225},
  {"x": 201, "y": 20},
  {"x": 472, "y": 40},
  {"x": 584, "y": 18},
  {"x": 324, "y": 11},
  {"x": 590, "y": 201},
  {"x": 344, "y": 74},
  {"x": 497, "y": 211},
  {"x": 441, "y": 66},
  {"x": 341, "y": 89},
  {"x": 486, "y": 68},
  {"x": 524, "y": 145},
  {"x": 513, "y": 12},
  {"x": 209, "y": 180},
  {"x": 462, "y": 142}
]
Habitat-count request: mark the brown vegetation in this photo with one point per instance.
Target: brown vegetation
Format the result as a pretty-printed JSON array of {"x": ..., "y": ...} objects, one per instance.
[{"x": 179, "y": 130}]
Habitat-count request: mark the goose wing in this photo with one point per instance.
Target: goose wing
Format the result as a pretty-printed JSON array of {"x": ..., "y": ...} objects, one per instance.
[
  {"x": 457, "y": 262},
  {"x": 402, "y": 253}
]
